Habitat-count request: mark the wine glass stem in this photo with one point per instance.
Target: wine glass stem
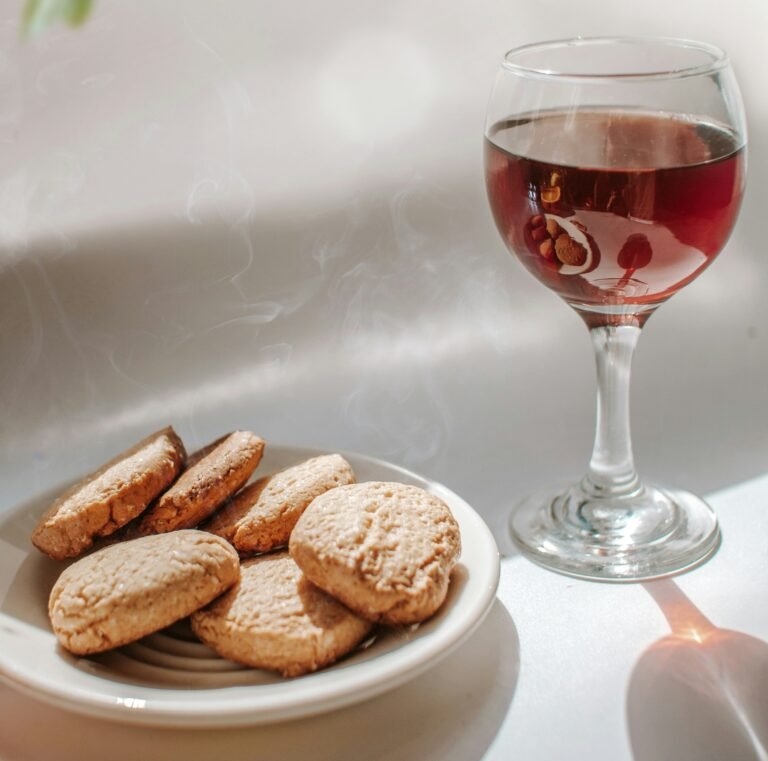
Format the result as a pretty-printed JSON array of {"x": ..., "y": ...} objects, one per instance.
[{"x": 612, "y": 471}]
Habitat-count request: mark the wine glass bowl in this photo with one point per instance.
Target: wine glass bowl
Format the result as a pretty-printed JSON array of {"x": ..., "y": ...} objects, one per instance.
[{"x": 615, "y": 170}]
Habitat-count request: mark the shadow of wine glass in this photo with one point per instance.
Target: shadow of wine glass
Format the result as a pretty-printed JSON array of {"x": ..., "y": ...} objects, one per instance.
[{"x": 699, "y": 693}]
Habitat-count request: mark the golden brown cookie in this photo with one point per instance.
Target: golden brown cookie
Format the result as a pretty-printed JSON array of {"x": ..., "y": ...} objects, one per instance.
[
  {"x": 262, "y": 516},
  {"x": 109, "y": 498},
  {"x": 204, "y": 486},
  {"x": 124, "y": 592},
  {"x": 275, "y": 619},
  {"x": 386, "y": 550}
]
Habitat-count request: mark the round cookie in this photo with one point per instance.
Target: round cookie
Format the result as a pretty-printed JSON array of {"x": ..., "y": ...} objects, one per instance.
[
  {"x": 262, "y": 516},
  {"x": 275, "y": 619},
  {"x": 226, "y": 465},
  {"x": 386, "y": 550},
  {"x": 126, "y": 591},
  {"x": 112, "y": 496}
]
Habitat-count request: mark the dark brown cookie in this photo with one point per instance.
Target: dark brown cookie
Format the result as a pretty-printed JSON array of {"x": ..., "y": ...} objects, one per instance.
[{"x": 206, "y": 485}]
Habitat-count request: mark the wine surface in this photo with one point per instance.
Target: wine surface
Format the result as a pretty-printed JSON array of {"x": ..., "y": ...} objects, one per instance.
[{"x": 614, "y": 210}]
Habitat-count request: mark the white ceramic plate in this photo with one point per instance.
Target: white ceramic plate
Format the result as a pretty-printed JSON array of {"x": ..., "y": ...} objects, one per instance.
[{"x": 169, "y": 679}]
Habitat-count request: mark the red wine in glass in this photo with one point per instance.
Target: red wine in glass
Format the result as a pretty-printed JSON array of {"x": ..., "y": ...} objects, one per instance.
[
  {"x": 613, "y": 210},
  {"x": 615, "y": 170}
]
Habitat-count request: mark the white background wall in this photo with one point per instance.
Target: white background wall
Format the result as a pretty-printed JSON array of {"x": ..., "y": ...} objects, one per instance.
[{"x": 271, "y": 215}]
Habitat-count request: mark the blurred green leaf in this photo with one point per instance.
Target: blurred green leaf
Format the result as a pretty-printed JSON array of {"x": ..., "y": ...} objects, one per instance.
[{"x": 40, "y": 14}]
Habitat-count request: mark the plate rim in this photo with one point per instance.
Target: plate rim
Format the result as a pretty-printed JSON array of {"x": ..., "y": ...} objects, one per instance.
[{"x": 317, "y": 693}]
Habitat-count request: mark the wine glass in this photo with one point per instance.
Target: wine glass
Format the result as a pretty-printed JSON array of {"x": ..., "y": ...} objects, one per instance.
[{"x": 615, "y": 169}]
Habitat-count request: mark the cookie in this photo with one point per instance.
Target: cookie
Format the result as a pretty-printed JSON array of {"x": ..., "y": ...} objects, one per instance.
[
  {"x": 124, "y": 592},
  {"x": 275, "y": 619},
  {"x": 386, "y": 550},
  {"x": 109, "y": 498},
  {"x": 211, "y": 480},
  {"x": 262, "y": 516},
  {"x": 194, "y": 457}
]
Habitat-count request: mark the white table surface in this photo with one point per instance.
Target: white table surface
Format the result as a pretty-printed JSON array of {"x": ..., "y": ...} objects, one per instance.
[{"x": 560, "y": 669}]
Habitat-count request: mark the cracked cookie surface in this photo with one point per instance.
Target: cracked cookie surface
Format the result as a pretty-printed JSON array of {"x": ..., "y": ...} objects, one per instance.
[
  {"x": 213, "y": 478},
  {"x": 112, "y": 496},
  {"x": 386, "y": 550},
  {"x": 275, "y": 619},
  {"x": 262, "y": 516},
  {"x": 129, "y": 590}
]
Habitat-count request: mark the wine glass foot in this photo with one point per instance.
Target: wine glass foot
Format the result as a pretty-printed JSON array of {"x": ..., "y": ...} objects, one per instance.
[{"x": 651, "y": 533}]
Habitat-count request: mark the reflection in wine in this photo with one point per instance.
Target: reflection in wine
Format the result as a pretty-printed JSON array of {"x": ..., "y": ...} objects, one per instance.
[{"x": 614, "y": 208}]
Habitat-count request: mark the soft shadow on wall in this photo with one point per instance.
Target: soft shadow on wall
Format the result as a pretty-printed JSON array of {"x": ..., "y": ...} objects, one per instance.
[{"x": 361, "y": 328}]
